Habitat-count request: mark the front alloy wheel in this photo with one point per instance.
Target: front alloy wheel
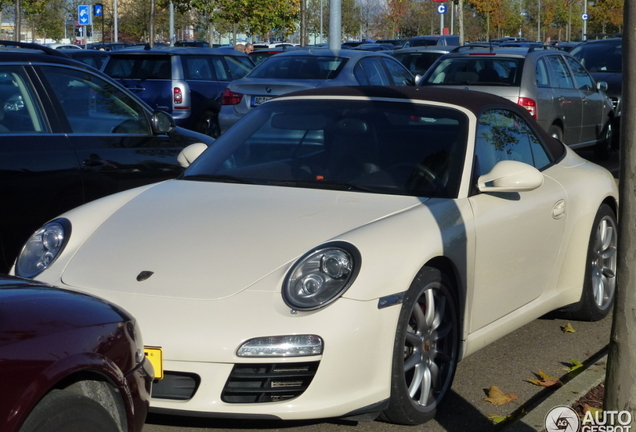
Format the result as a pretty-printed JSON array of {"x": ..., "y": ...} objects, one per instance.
[{"x": 426, "y": 350}]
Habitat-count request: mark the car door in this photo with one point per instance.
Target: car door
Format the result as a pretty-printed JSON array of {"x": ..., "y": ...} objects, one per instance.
[
  {"x": 110, "y": 133},
  {"x": 593, "y": 102},
  {"x": 567, "y": 98},
  {"x": 369, "y": 71},
  {"x": 399, "y": 74},
  {"x": 518, "y": 235},
  {"x": 39, "y": 173}
]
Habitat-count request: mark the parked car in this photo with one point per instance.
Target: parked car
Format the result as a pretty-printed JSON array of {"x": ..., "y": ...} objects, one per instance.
[
  {"x": 69, "y": 134},
  {"x": 551, "y": 84},
  {"x": 260, "y": 55},
  {"x": 432, "y": 40},
  {"x": 187, "y": 43},
  {"x": 419, "y": 59},
  {"x": 375, "y": 47},
  {"x": 70, "y": 362},
  {"x": 397, "y": 43},
  {"x": 64, "y": 46},
  {"x": 91, "y": 57},
  {"x": 353, "y": 243},
  {"x": 603, "y": 59},
  {"x": 301, "y": 69},
  {"x": 109, "y": 46},
  {"x": 187, "y": 83}
]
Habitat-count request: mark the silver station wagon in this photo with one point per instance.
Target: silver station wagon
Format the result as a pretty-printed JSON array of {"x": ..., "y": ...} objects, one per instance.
[{"x": 551, "y": 84}]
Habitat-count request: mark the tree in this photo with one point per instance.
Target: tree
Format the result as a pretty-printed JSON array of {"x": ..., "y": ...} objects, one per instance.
[{"x": 620, "y": 384}]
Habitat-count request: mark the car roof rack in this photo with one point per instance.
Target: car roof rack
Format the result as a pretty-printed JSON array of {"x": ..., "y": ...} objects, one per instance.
[{"x": 33, "y": 46}]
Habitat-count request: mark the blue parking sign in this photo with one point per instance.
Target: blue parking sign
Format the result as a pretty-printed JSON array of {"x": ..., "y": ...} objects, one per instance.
[
  {"x": 441, "y": 9},
  {"x": 83, "y": 15},
  {"x": 98, "y": 9},
  {"x": 585, "y": 16}
]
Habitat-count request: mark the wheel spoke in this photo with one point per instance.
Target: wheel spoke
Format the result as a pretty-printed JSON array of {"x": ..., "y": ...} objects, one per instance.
[
  {"x": 429, "y": 315},
  {"x": 417, "y": 380},
  {"x": 413, "y": 339},
  {"x": 426, "y": 385},
  {"x": 412, "y": 361}
]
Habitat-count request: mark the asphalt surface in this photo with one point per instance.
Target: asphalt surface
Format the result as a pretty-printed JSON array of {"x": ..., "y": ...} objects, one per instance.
[{"x": 508, "y": 364}]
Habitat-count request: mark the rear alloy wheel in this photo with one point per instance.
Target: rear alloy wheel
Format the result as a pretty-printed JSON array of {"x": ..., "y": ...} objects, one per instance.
[
  {"x": 600, "y": 271},
  {"x": 603, "y": 149},
  {"x": 426, "y": 350}
]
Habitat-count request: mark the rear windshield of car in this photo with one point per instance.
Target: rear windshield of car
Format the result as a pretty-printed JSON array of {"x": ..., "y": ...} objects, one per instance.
[
  {"x": 600, "y": 57},
  {"x": 300, "y": 67},
  {"x": 476, "y": 70},
  {"x": 139, "y": 67},
  {"x": 418, "y": 62}
]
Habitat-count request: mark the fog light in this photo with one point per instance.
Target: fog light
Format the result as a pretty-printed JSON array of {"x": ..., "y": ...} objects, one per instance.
[{"x": 282, "y": 346}]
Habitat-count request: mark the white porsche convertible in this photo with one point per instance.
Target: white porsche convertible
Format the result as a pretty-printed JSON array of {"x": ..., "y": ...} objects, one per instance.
[{"x": 338, "y": 251}]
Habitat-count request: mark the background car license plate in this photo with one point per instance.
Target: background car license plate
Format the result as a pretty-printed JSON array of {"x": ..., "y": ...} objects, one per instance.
[
  {"x": 257, "y": 100},
  {"x": 155, "y": 357}
]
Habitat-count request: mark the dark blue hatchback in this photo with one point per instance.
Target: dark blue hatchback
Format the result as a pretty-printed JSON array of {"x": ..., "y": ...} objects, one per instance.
[{"x": 185, "y": 82}]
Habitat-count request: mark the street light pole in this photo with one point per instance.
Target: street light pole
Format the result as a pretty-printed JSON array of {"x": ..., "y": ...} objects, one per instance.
[{"x": 584, "y": 35}]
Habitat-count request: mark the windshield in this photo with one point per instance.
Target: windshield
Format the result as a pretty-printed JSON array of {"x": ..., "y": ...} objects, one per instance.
[
  {"x": 600, "y": 57},
  {"x": 300, "y": 67},
  {"x": 477, "y": 70},
  {"x": 379, "y": 147}
]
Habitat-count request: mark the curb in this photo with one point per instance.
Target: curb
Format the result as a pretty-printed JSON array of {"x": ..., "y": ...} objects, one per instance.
[{"x": 567, "y": 395}]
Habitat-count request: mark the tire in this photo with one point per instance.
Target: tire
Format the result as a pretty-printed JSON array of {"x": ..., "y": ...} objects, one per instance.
[
  {"x": 600, "y": 271},
  {"x": 426, "y": 349},
  {"x": 208, "y": 124},
  {"x": 556, "y": 132},
  {"x": 61, "y": 411},
  {"x": 603, "y": 149}
]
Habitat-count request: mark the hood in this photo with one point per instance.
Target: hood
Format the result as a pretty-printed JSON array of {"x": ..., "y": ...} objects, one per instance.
[{"x": 204, "y": 240}]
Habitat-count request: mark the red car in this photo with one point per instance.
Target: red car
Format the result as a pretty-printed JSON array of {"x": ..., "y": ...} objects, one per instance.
[{"x": 69, "y": 361}]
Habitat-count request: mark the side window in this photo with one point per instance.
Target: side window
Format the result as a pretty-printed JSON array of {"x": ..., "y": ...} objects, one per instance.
[
  {"x": 560, "y": 73},
  {"x": 20, "y": 113},
  {"x": 197, "y": 68},
  {"x": 400, "y": 75},
  {"x": 542, "y": 75},
  {"x": 94, "y": 106},
  {"x": 361, "y": 77},
  {"x": 239, "y": 67},
  {"x": 504, "y": 135},
  {"x": 374, "y": 71},
  {"x": 582, "y": 79}
]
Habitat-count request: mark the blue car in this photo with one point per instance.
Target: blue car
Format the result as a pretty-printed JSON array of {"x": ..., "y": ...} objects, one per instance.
[{"x": 187, "y": 83}]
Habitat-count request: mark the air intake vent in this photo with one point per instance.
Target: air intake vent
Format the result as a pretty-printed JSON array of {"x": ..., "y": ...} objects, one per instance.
[
  {"x": 176, "y": 386},
  {"x": 257, "y": 383}
]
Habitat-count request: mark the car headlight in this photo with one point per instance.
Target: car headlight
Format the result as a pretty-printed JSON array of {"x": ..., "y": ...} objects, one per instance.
[
  {"x": 44, "y": 246},
  {"x": 321, "y": 276}
]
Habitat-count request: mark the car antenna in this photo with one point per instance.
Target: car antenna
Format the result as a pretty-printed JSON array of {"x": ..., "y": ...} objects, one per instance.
[{"x": 147, "y": 47}]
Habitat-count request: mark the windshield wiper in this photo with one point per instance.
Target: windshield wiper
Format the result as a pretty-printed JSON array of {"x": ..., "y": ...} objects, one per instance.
[{"x": 322, "y": 184}]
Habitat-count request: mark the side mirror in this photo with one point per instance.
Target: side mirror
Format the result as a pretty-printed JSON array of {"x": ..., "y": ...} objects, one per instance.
[
  {"x": 190, "y": 153},
  {"x": 602, "y": 86},
  {"x": 162, "y": 122},
  {"x": 510, "y": 176}
]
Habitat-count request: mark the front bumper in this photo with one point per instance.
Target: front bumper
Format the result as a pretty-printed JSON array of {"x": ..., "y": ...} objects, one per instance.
[{"x": 139, "y": 383}]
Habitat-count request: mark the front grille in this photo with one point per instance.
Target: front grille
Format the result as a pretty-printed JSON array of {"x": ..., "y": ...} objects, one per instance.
[
  {"x": 176, "y": 386},
  {"x": 257, "y": 383}
]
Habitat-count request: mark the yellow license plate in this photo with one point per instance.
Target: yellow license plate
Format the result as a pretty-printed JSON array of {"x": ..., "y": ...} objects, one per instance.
[{"x": 155, "y": 357}]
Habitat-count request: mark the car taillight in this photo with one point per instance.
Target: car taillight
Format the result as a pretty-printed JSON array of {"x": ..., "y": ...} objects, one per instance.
[
  {"x": 177, "y": 96},
  {"x": 530, "y": 105},
  {"x": 231, "y": 98}
]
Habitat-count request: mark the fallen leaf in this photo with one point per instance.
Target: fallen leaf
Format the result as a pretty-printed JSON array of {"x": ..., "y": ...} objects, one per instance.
[
  {"x": 498, "y": 397},
  {"x": 496, "y": 418},
  {"x": 593, "y": 410},
  {"x": 568, "y": 328},
  {"x": 545, "y": 380}
]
